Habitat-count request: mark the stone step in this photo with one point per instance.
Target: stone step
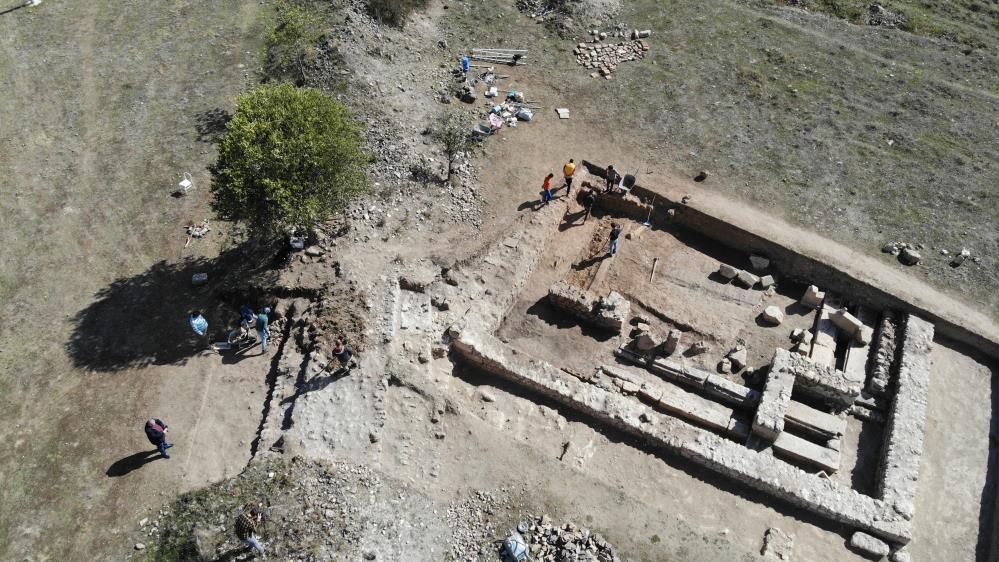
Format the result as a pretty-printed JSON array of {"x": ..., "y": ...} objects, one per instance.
[{"x": 806, "y": 452}]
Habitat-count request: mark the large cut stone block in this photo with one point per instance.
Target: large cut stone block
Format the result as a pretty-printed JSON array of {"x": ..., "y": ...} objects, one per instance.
[{"x": 769, "y": 420}]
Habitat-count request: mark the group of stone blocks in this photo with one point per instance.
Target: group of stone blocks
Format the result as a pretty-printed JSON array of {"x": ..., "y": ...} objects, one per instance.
[
  {"x": 610, "y": 312},
  {"x": 745, "y": 278},
  {"x": 759, "y": 470},
  {"x": 823, "y": 427}
]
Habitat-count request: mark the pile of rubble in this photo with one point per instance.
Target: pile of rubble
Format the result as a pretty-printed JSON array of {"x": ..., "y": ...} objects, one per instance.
[
  {"x": 546, "y": 541},
  {"x": 907, "y": 253},
  {"x": 603, "y": 59}
]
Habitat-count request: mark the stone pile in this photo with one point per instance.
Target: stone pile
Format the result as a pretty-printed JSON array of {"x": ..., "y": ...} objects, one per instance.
[
  {"x": 546, "y": 541},
  {"x": 603, "y": 59}
]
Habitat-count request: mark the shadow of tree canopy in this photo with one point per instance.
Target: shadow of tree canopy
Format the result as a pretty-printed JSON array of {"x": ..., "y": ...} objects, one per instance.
[
  {"x": 143, "y": 320},
  {"x": 211, "y": 124}
]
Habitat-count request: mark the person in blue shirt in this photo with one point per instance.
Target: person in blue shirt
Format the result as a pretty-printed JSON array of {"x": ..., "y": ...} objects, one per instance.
[
  {"x": 247, "y": 319},
  {"x": 200, "y": 326},
  {"x": 262, "y": 322}
]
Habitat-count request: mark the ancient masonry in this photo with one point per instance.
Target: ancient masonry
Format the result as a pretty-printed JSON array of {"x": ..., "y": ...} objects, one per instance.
[
  {"x": 783, "y": 441},
  {"x": 758, "y": 470}
]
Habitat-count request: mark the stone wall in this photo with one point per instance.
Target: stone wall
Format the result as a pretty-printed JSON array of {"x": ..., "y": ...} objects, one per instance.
[
  {"x": 757, "y": 470},
  {"x": 903, "y": 447},
  {"x": 830, "y": 385},
  {"x": 610, "y": 312}
]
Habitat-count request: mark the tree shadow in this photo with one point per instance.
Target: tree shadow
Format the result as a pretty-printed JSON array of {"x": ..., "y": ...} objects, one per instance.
[
  {"x": 212, "y": 124},
  {"x": 143, "y": 320},
  {"x": 135, "y": 461}
]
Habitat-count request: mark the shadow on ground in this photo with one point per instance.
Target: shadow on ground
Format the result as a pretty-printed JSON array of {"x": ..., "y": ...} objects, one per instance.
[
  {"x": 135, "y": 461},
  {"x": 143, "y": 320}
]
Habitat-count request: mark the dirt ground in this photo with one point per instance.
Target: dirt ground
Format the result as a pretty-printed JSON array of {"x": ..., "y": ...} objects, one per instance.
[
  {"x": 101, "y": 118},
  {"x": 95, "y": 275}
]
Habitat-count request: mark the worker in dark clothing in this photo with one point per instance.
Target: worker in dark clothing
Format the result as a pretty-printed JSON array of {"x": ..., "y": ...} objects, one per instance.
[
  {"x": 156, "y": 433},
  {"x": 615, "y": 233},
  {"x": 246, "y": 527},
  {"x": 612, "y": 178},
  {"x": 589, "y": 200},
  {"x": 344, "y": 355}
]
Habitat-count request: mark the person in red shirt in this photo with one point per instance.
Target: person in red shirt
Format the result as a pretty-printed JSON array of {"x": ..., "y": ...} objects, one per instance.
[{"x": 546, "y": 189}]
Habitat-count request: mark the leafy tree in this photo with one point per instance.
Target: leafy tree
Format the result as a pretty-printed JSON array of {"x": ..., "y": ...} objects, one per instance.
[
  {"x": 291, "y": 157},
  {"x": 452, "y": 133}
]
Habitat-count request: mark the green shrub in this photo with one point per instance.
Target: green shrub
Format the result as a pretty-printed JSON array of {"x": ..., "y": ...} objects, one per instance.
[
  {"x": 290, "y": 46},
  {"x": 394, "y": 12},
  {"x": 291, "y": 157}
]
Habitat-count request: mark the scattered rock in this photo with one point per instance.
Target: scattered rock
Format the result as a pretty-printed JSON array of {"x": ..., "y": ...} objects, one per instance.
[
  {"x": 869, "y": 545},
  {"x": 880, "y": 16},
  {"x": 738, "y": 356},
  {"x": 777, "y": 544},
  {"x": 140, "y": 546},
  {"x": 646, "y": 341},
  {"x": 727, "y": 271},
  {"x": 813, "y": 297},
  {"x": 725, "y": 366},
  {"x": 487, "y": 397},
  {"x": 901, "y": 555},
  {"x": 773, "y": 315},
  {"x": 959, "y": 258},
  {"x": 701, "y": 176},
  {"x": 314, "y": 251},
  {"x": 909, "y": 257},
  {"x": 767, "y": 281},
  {"x": 748, "y": 279},
  {"x": 672, "y": 342},
  {"x": 698, "y": 348},
  {"x": 759, "y": 263}
]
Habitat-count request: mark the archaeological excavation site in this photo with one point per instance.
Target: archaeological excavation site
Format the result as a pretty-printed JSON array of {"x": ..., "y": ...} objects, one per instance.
[{"x": 710, "y": 373}]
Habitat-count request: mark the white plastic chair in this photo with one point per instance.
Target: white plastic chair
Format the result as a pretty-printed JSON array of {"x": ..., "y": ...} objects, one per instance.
[{"x": 187, "y": 183}]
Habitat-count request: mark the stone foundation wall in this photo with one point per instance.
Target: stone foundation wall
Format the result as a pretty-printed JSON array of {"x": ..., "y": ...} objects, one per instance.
[
  {"x": 903, "y": 447},
  {"x": 757, "y": 470}
]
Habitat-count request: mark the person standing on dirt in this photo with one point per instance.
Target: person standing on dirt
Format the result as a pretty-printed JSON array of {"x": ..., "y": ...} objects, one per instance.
[
  {"x": 344, "y": 355},
  {"x": 156, "y": 433},
  {"x": 200, "y": 326},
  {"x": 567, "y": 171},
  {"x": 246, "y": 527},
  {"x": 247, "y": 318},
  {"x": 546, "y": 189},
  {"x": 589, "y": 200},
  {"x": 612, "y": 177},
  {"x": 263, "y": 321},
  {"x": 615, "y": 233}
]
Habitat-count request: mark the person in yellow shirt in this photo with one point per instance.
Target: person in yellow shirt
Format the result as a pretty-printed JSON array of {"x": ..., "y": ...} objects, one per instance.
[{"x": 567, "y": 171}]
